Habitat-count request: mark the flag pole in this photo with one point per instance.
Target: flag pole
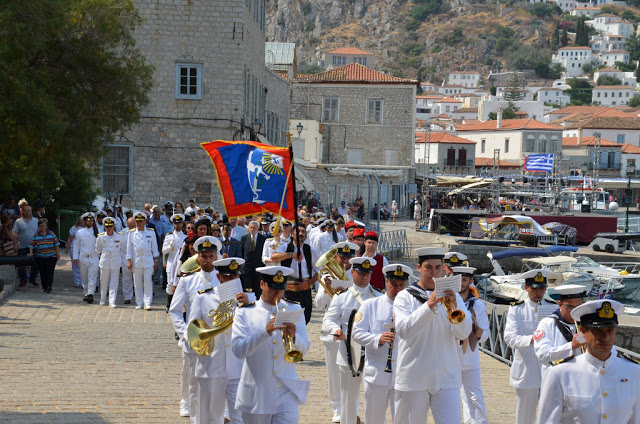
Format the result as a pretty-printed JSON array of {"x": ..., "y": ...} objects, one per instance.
[{"x": 295, "y": 202}]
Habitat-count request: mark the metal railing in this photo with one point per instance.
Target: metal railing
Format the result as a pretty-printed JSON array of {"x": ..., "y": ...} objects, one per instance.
[
  {"x": 634, "y": 223},
  {"x": 496, "y": 347},
  {"x": 394, "y": 244}
]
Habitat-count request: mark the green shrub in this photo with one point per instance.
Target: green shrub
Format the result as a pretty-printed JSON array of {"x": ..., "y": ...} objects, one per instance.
[{"x": 306, "y": 7}]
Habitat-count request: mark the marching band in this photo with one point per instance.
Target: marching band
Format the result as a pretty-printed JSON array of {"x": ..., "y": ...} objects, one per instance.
[{"x": 386, "y": 326}]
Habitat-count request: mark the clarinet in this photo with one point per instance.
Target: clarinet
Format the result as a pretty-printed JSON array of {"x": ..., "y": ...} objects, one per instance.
[{"x": 390, "y": 354}]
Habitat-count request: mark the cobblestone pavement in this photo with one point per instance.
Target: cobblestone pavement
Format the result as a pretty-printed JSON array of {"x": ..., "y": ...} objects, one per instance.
[{"x": 64, "y": 361}]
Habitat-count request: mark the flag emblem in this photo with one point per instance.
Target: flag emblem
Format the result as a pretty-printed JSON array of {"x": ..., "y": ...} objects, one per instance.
[{"x": 539, "y": 163}]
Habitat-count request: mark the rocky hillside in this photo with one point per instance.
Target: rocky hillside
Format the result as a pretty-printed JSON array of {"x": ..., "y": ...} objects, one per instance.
[{"x": 466, "y": 36}]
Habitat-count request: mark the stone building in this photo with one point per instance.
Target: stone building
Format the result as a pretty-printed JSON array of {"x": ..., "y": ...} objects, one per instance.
[
  {"x": 210, "y": 82},
  {"x": 366, "y": 130}
]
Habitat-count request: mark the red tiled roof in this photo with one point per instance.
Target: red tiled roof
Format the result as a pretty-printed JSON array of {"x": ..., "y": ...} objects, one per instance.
[
  {"x": 441, "y": 137},
  {"x": 614, "y": 51},
  {"x": 612, "y": 87},
  {"x": 575, "y": 48},
  {"x": 464, "y": 72},
  {"x": 354, "y": 73},
  {"x": 614, "y": 36},
  {"x": 509, "y": 124},
  {"x": 348, "y": 50},
  {"x": 448, "y": 100},
  {"x": 453, "y": 86},
  {"x": 442, "y": 116},
  {"x": 587, "y": 141},
  {"x": 608, "y": 70},
  {"x": 489, "y": 162},
  {"x": 606, "y": 122},
  {"x": 568, "y": 110},
  {"x": 607, "y": 15},
  {"x": 466, "y": 110},
  {"x": 630, "y": 149}
]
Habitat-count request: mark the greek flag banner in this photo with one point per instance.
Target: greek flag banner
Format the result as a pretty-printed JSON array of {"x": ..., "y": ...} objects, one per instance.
[{"x": 539, "y": 163}]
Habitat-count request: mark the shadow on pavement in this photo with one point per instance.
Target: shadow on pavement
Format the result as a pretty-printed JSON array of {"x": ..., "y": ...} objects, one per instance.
[{"x": 62, "y": 417}]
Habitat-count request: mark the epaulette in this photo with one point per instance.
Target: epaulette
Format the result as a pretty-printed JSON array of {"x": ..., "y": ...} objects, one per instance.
[
  {"x": 246, "y": 305},
  {"x": 203, "y": 291},
  {"x": 133, "y": 229},
  {"x": 517, "y": 303},
  {"x": 171, "y": 232},
  {"x": 269, "y": 239},
  {"x": 377, "y": 289},
  {"x": 628, "y": 358},
  {"x": 291, "y": 301},
  {"x": 101, "y": 234},
  {"x": 120, "y": 232},
  {"x": 342, "y": 291},
  {"x": 562, "y": 361}
]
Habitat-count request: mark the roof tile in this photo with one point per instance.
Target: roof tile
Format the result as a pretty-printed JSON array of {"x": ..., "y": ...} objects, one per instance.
[
  {"x": 509, "y": 124},
  {"x": 630, "y": 149},
  {"x": 349, "y": 50},
  {"x": 441, "y": 137},
  {"x": 489, "y": 162},
  {"x": 354, "y": 73},
  {"x": 587, "y": 141}
]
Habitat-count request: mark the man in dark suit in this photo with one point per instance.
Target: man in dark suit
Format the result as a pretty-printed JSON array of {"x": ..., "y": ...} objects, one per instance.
[
  {"x": 252, "y": 244},
  {"x": 230, "y": 246}
]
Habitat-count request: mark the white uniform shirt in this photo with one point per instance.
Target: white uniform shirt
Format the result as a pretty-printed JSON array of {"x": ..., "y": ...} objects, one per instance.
[
  {"x": 521, "y": 324},
  {"x": 84, "y": 246},
  {"x": 314, "y": 235},
  {"x": 589, "y": 391},
  {"x": 222, "y": 363},
  {"x": 305, "y": 271},
  {"x": 171, "y": 246},
  {"x": 186, "y": 292},
  {"x": 142, "y": 247},
  {"x": 337, "y": 316},
  {"x": 470, "y": 359},
  {"x": 550, "y": 345},
  {"x": 111, "y": 249},
  {"x": 323, "y": 300},
  {"x": 325, "y": 242},
  {"x": 270, "y": 247},
  {"x": 264, "y": 368},
  {"x": 367, "y": 331},
  {"x": 425, "y": 336}
]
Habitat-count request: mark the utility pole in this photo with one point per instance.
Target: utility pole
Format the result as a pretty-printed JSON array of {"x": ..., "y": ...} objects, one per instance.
[
  {"x": 495, "y": 204},
  {"x": 596, "y": 172}
]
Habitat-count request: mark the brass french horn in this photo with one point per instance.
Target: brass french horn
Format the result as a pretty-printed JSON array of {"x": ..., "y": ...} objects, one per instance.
[
  {"x": 201, "y": 336},
  {"x": 190, "y": 265},
  {"x": 331, "y": 266}
]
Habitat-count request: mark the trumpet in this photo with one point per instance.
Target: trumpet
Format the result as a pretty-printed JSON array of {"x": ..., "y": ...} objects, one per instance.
[
  {"x": 456, "y": 316},
  {"x": 331, "y": 266},
  {"x": 201, "y": 336},
  {"x": 292, "y": 355}
]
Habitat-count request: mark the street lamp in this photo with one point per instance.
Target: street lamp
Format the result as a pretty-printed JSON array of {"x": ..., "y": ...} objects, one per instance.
[
  {"x": 585, "y": 168},
  {"x": 631, "y": 170},
  {"x": 299, "y": 128}
]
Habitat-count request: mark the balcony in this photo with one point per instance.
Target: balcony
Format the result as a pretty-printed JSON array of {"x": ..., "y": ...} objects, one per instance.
[{"x": 460, "y": 163}]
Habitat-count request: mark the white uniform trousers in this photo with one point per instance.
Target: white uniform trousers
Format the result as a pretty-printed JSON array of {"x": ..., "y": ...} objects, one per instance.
[
  {"x": 184, "y": 381},
  {"x": 89, "y": 273},
  {"x": 288, "y": 411},
  {"x": 142, "y": 285},
  {"x": 333, "y": 374},
  {"x": 110, "y": 279},
  {"x": 376, "y": 399},
  {"x": 473, "y": 406},
  {"x": 349, "y": 395},
  {"x": 412, "y": 407},
  {"x": 526, "y": 404},
  {"x": 213, "y": 393},
  {"x": 77, "y": 275},
  {"x": 127, "y": 283},
  {"x": 193, "y": 387}
]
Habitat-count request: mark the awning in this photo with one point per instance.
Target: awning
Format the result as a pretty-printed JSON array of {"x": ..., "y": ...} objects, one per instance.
[{"x": 303, "y": 181}]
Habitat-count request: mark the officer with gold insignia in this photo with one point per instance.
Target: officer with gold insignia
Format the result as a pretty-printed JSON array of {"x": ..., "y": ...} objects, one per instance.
[
  {"x": 424, "y": 335},
  {"x": 376, "y": 332},
  {"x": 336, "y": 322},
  {"x": 600, "y": 386},
  {"x": 345, "y": 251},
  {"x": 85, "y": 255},
  {"x": 525, "y": 374},
  {"x": 452, "y": 259},
  {"x": 269, "y": 390},
  {"x": 110, "y": 246},
  {"x": 142, "y": 253},
  {"x": 170, "y": 247},
  {"x": 557, "y": 335},
  {"x": 218, "y": 374},
  {"x": 188, "y": 288}
]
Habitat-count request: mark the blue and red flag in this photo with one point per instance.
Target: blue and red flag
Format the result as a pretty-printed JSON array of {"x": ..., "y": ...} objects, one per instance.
[{"x": 253, "y": 177}]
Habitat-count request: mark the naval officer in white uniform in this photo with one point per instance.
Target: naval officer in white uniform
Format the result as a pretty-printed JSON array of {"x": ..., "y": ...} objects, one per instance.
[
  {"x": 525, "y": 373},
  {"x": 428, "y": 374},
  {"x": 110, "y": 246},
  {"x": 374, "y": 329},
  {"x": 269, "y": 391},
  {"x": 85, "y": 255},
  {"x": 142, "y": 259},
  {"x": 600, "y": 386}
]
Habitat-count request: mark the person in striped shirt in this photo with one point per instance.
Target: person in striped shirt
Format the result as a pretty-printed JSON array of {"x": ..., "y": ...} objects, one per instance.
[{"x": 45, "y": 246}]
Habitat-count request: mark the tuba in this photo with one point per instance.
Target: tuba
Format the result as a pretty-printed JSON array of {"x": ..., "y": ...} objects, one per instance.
[
  {"x": 190, "y": 265},
  {"x": 292, "y": 355},
  {"x": 201, "y": 336},
  {"x": 331, "y": 266}
]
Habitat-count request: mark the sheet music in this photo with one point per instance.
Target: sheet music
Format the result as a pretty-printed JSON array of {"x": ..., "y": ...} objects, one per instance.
[
  {"x": 452, "y": 283},
  {"x": 341, "y": 283},
  {"x": 288, "y": 316},
  {"x": 229, "y": 290},
  {"x": 544, "y": 311}
]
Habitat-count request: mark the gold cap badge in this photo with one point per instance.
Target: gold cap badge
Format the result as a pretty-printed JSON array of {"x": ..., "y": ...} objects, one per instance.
[
  {"x": 233, "y": 265},
  {"x": 454, "y": 259},
  {"x": 366, "y": 264},
  {"x": 279, "y": 277},
  {"x": 539, "y": 278},
  {"x": 346, "y": 249},
  {"x": 206, "y": 243},
  {"x": 605, "y": 311},
  {"x": 399, "y": 272}
]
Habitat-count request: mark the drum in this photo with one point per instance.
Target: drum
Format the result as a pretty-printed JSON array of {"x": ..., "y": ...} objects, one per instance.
[{"x": 355, "y": 352}]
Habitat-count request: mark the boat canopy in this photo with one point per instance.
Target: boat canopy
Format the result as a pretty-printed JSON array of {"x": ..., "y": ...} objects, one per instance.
[
  {"x": 552, "y": 260},
  {"x": 510, "y": 253}
]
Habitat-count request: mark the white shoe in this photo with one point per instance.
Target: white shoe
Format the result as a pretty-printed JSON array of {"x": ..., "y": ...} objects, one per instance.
[
  {"x": 138, "y": 306},
  {"x": 103, "y": 303},
  {"x": 184, "y": 409},
  {"x": 336, "y": 417},
  {"x": 147, "y": 307},
  {"x": 113, "y": 305}
]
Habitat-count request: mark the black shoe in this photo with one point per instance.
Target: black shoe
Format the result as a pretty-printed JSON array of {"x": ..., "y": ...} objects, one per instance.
[
  {"x": 166, "y": 309},
  {"x": 127, "y": 302},
  {"x": 175, "y": 335},
  {"x": 84, "y": 299},
  {"x": 89, "y": 298}
]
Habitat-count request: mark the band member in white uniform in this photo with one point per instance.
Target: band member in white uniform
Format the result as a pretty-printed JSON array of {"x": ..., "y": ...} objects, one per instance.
[
  {"x": 345, "y": 251},
  {"x": 127, "y": 274},
  {"x": 269, "y": 391},
  {"x": 374, "y": 329},
  {"x": 474, "y": 410},
  {"x": 557, "y": 335},
  {"x": 110, "y": 246},
  {"x": 142, "y": 254},
  {"x": 218, "y": 374},
  {"x": 601, "y": 386},
  {"x": 273, "y": 245},
  {"x": 518, "y": 334},
  {"x": 429, "y": 373},
  {"x": 186, "y": 291},
  {"x": 170, "y": 248},
  {"x": 336, "y": 321},
  {"x": 452, "y": 259},
  {"x": 85, "y": 255}
]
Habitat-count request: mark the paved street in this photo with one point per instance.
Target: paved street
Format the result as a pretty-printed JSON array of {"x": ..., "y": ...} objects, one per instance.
[{"x": 63, "y": 361}]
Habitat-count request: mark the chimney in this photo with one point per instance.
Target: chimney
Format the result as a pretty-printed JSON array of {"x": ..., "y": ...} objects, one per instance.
[
  {"x": 499, "y": 124},
  {"x": 579, "y": 135}
]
